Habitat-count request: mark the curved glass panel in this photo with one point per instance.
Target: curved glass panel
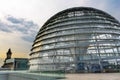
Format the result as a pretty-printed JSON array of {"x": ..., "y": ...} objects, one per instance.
[{"x": 77, "y": 40}]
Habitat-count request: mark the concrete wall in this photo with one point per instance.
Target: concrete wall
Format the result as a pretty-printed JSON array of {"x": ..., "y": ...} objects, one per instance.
[
  {"x": 21, "y": 76},
  {"x": 24, "y": 76},
  {"x": 3, "y": 76}
]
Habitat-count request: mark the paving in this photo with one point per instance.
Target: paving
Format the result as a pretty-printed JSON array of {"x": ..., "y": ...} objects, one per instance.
[{"x": 93, "y": 76}]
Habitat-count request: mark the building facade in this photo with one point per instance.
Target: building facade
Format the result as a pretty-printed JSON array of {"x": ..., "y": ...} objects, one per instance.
[
  {"x": 17, "y": 64},
  {"x": 14, "y": 63},
  {"x": 77, "y": 39}
]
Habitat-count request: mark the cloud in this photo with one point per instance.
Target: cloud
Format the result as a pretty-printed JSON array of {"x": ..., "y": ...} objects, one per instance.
[
  {"x": 14, "y": 20},
  {"x": 17, "y": 34},
  {"x": 14, "y": 41},
  {"x": 28, "y": 29},
  {"x": 4, "y": 27}
]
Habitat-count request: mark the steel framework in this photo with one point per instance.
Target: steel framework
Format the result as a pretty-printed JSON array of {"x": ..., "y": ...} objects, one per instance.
[{"x": 76, "y": 39}]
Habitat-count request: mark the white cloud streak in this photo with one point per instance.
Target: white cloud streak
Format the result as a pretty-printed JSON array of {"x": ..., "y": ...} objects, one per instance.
[{"x": 41, "y": 10}]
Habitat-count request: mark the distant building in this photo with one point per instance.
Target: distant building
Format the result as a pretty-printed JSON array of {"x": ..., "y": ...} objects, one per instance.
[{"x": 15, "y": 63}]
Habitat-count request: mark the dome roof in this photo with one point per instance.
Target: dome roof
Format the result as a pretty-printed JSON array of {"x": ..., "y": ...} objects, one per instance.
[
  {"x": 78, "y": 36},
  {"x": 79, "y": 9}
]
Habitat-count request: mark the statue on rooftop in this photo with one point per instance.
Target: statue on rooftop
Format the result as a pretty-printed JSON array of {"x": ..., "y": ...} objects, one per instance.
[{"x": 8, "y": 56}]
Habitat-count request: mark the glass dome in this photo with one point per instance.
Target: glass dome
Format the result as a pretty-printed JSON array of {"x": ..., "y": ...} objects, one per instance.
[{"x": 77, "y": 39}]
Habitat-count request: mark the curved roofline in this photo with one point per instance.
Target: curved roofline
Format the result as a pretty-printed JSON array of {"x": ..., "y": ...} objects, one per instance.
[{"x": 77, "y": 9}]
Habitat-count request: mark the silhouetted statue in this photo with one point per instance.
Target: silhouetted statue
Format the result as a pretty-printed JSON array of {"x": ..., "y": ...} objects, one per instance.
[{"x": 8, "y": 56}]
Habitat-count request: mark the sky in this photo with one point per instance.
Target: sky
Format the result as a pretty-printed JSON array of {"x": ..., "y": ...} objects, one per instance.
[{"x": 20, "y": 20}]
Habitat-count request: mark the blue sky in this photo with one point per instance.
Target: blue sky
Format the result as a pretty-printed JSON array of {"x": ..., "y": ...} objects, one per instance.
[{"x": 20, "y": 20}]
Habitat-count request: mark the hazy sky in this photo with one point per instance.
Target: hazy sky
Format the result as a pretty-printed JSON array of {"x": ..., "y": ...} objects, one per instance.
[{"x": 20, "y": 20}]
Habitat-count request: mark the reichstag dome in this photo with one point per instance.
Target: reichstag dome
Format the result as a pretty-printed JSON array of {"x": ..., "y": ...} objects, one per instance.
[{"x": 79, "y": 39}]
